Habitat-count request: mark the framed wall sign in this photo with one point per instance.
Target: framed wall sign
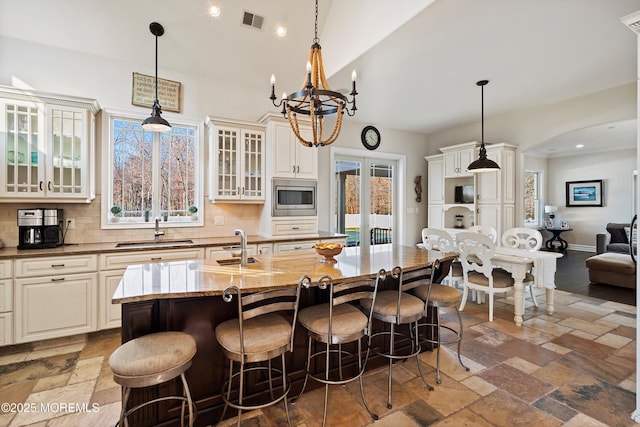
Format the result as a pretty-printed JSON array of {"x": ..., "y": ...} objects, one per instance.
[
  {"x": 143, "y": 92},
  {"x": 584, "y": 193}
]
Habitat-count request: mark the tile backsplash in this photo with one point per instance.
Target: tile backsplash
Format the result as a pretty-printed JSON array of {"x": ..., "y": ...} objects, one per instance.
[{"x": 87, "y": 223}]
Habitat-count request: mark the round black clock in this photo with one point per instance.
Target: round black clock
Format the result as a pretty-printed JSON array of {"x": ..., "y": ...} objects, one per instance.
[{"x": 370, "y": 137}]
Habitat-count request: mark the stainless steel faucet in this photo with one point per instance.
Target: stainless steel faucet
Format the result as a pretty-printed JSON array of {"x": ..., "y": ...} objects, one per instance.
[
  {"x": 158, "y": 233},
  {"x": 243, "y": 245}
]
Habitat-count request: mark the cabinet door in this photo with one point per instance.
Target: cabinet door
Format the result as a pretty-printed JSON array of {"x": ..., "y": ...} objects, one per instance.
[
  {"x": 265, "y": 248},
  {"x": 253, "y": 164},
  {"x": 22, "y": 132},
  {"x": 451, "y": 164},
  {"x": 436, "y": 216},
  {"x": 465, "y": 157},
  {"x": 6, "y": 295},
  {"x": 490, "y": 215},
  {"x": 67, "y": 152},
  {"x": 55, "y": 307},
  {"x": 224, "y": 252},
  {"x": 488, "y": 183},
  {"x": 307, "y": 157},
  {"x": 284, "y": 152},
  {"x": 6, "y": 329},
  {"x": 227, "y": 168},
  {"x": 435, "y": 186},
  {"x": 109, "y": 315}
]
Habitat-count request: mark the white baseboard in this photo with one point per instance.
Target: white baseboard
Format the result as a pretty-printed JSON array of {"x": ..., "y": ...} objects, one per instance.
[{"x": 582, "y": 248}]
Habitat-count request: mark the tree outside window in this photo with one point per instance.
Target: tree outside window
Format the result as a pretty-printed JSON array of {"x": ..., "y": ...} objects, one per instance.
[{"x": 153, "y": 175}]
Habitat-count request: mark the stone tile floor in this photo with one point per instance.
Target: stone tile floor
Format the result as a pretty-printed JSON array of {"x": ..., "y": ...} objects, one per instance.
[{"x": 575, "y": 368}]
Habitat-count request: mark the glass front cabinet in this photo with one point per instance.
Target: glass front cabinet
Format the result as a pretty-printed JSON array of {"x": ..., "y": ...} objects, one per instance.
[
  {"x": 237, "y": 161},
  {"x": 48, "y": 147}
]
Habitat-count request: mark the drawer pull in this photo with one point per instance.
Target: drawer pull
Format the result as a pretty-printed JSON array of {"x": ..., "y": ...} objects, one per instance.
[
  {"x": 57, "y": 265},
  {"x": 295, "y": 228},
  {"x": 59, "y": 279},
  {"x": 297, "y": 247},
  {"x": 156, "y": 258}
]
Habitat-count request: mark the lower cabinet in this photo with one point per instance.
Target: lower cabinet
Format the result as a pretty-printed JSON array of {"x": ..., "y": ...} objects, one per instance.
[
  {"x": 6, "y": 329},
  {"x": 224, "y": 252},
  {"x": 291, "y": 247},
  {"x": 55, "y": 306},
  {"x": 109, "y": 315}
]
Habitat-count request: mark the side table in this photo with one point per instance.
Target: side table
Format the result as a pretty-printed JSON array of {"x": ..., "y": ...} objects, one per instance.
[{"x": 550, "y": 243}]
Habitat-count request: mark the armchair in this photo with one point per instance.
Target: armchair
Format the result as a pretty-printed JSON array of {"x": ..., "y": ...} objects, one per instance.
[{"x": 614, "y": 239}]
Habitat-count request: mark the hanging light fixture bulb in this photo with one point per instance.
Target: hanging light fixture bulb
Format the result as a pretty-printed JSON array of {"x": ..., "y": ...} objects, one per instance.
[
  {"x": 155, "y": 122},
  {"x": 483, "y": 164},
  {"x": 316, "y": 100}
]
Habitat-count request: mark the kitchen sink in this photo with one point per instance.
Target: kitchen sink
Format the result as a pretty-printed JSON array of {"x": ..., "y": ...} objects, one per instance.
[
  {"x": 153, "y": 243},
  {"x": 236, "y": 261}
]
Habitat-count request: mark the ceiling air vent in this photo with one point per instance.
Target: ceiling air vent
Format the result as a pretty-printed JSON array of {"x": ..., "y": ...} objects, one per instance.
[
  {"x": 252, "y": 20},
  {"x": 632, "y": 21}
]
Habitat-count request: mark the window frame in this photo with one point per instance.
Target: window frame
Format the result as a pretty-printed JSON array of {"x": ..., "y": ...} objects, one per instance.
[
  {"x": 108, "y": 117},
  {"x": 538, "y": 208}
]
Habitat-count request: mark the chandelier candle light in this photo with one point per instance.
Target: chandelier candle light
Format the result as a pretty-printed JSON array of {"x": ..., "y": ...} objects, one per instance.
[
  {"x": 155, "y": 122},
  {"x": 483, "y": 164},
  {"x": 316, "y": 99}
]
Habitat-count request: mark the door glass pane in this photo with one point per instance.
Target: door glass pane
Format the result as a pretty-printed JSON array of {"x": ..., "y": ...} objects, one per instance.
[
  {"x": 380, "y": 203},
  {"x": 347, "y": 203}
]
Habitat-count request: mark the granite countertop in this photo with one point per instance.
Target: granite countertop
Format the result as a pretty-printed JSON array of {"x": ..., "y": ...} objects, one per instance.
[
  {"x": 98, "y": 248},
  {"x": 198, "y": 278}
]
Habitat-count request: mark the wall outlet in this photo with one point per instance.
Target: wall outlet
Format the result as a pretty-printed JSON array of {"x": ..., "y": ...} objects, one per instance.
[
  {"x": 71, "y": 223},
  {"x": 219, "y": 220}
]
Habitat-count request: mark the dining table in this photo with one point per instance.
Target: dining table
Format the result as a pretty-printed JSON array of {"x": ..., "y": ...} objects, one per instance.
[{"x": 519, "y": 262}]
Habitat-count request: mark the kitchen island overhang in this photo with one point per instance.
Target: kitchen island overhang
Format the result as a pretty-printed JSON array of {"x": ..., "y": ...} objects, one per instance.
[{"x": 187, "y": 296}]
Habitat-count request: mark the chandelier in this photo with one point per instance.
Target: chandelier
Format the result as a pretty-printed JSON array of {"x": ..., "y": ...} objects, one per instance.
[{"x": 316, "y": 100}]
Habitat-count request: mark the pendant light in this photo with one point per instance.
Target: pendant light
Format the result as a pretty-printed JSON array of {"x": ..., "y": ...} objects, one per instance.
[
  {"x": 155, "y": 122},
  {"x": 483, "y": 164}
]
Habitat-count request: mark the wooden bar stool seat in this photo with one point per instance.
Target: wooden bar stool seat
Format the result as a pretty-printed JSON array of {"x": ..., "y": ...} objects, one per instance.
[{"x": 151, "y": 360}]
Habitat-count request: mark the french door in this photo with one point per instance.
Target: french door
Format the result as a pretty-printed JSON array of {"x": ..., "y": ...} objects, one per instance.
[{"x": 365, "y": 199}]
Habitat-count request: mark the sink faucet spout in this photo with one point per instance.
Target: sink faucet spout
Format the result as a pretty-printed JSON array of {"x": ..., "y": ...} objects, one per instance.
[
  {"x": 158, "y": 233},
  {"x": 243, "y": 244}
]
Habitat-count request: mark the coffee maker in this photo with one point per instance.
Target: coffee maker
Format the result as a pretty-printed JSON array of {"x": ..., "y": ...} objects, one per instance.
[{"x": 39, "y": 228}]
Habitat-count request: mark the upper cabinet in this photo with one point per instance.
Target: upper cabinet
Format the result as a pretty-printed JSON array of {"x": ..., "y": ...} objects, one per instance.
[
  {"x": 49, "y": 147},
  {"x": 457, "y": 158},
  {"x": 237, "y": 161},
  {"x": 290, "y": 158}
]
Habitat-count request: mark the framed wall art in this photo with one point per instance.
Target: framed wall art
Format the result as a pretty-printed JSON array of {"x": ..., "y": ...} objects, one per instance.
[{"x": 584, "y": 193}]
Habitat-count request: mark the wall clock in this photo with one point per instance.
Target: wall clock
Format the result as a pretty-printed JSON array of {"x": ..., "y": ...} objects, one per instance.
[{"x": 370, "y": 137}]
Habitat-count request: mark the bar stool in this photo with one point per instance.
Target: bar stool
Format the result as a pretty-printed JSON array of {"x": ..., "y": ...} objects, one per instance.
[
  {"x": 398, "y": 307},
  {"x": 151, "y": 360},
  {"x": 259, "y": 334},
  {"x": 438, "y": 296},
  {"x": 335, "y": 323}
]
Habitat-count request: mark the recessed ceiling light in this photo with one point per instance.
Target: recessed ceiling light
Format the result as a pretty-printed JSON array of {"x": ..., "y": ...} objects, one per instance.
[
  {"x": 281, "y": 31},
  {"x": 214, "y": 11},
  {"x": 579, "y": 145}
]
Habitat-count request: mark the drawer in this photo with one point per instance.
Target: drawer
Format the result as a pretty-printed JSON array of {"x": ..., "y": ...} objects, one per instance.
[
  {"x": 6, "y": 295},
  {"x": 224, "y": 252},
  {"x": 59, "y": 265},
  {"x": 296, "y": 246},
  {"x": 115, "y": 261},
  {"x": 295, "y": 227},
  {"x": 6, "y": 268}
]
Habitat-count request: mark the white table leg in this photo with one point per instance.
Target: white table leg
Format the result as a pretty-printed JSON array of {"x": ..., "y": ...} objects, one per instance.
[
  {"x": 518, "y": 272},
  {"x": 550, "y": 294}
]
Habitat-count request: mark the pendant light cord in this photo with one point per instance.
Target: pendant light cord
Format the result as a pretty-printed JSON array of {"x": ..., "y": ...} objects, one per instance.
[
  {"x": 316, "y": 39},
  {"x": 481, "y": 112},
  {"x": 156, "y": 68}
]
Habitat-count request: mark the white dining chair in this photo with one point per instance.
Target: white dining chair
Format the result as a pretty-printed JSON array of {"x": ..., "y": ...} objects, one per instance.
[
  {"x": 485, "y": 230},
  {"x": 475, "y": 252},
  {"x": 523, "y": 238},
  {"x": 442, "y": 243}
]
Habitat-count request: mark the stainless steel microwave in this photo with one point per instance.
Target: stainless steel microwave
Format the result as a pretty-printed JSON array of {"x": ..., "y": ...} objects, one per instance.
[{"x": 293, "y": 197}]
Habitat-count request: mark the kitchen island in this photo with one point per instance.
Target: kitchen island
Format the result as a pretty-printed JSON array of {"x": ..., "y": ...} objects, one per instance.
[{"x": 186, "y": 296}]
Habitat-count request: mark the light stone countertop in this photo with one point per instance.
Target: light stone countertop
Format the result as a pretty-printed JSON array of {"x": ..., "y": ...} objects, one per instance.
[
  {"x": 199, "y": 278},
  {"x": 109, "y": 247}
]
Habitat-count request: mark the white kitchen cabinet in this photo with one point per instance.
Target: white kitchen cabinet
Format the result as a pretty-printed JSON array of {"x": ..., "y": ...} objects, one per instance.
[
  {"x": 436, "y": 216},
  {"x": 49, "y": 147},
  {"x": 109, "y": 315},
  {"x": 55, "y": 306},
  {"x": 6, "y": 329},
  {"x": 288, "y": 157},
  {"x": 60, "y": 265},
  {"x": 237, "y": 161},
  {"x": 435, "y": 180},
  {"x": 265, "y": 248},
  {"x": 224, "y": 252},
  {"x": 457, "y": 158}
]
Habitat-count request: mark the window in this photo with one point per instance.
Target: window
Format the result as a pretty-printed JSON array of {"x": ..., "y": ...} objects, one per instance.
[
  {"x": 152, "y": 175},
  {"x": 532, "y": 198}
]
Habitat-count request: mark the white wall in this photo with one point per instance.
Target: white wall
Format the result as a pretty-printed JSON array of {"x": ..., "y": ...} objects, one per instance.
[{"x": 615, "y": 168}]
